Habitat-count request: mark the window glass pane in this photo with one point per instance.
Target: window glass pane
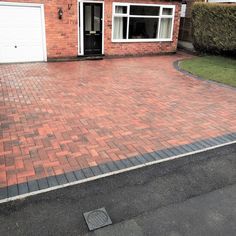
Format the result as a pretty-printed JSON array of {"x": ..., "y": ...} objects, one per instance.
[
  {"x": 144, "y": 10},
  {"x": 88, "y": 23},
  {"x": 120, "y": 28},
  {"x": 143, "y": 28},
  {"x": 97, "y": 18},
  {"x": 165, "y": 30},
  {"x": 121, "y": 9},
  {"x": 167, "y": 11}
]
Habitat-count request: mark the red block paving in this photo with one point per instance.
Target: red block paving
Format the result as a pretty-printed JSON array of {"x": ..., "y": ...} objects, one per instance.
[{"x": 59, "y": 117}]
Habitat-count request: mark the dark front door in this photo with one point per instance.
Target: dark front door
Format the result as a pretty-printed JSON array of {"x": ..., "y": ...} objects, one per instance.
[{"x": 92, "y": 28}]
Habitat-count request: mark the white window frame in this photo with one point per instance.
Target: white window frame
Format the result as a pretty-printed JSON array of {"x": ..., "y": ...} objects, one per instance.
[{"x": 142, "y": 16}]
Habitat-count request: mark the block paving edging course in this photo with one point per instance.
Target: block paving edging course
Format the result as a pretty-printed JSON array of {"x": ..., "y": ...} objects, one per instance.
[{"x": 46, "y": 184}]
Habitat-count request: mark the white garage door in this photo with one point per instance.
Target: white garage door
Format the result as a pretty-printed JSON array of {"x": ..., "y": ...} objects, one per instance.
[{"x": 21, "y": 33}]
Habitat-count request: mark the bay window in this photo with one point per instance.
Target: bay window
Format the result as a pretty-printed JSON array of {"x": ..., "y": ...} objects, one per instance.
[{"x": 142, "y": 22}]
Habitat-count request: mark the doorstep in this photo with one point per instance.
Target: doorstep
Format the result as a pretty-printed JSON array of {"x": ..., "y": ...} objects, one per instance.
[{"x": 78, "y": 58}]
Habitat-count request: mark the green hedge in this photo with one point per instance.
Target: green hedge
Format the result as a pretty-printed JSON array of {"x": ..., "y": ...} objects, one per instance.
[{"x": 214, "y": 28}]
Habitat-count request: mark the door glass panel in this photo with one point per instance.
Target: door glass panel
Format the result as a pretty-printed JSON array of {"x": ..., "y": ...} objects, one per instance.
[
  {"x": 88, "y": 23},
  {"x": 97, "y": 18}
]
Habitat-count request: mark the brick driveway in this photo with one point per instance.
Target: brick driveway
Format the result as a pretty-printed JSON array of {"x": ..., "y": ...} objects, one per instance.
[{"x": 60, "y": 117}]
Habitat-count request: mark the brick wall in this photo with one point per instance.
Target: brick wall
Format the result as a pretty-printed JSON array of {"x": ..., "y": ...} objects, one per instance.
[
  {"x": 139, "y": 48},
  {"x": 62, "y": 35}
]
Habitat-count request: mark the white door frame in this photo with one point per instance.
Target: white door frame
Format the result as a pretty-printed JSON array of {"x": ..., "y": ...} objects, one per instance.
[
  {"x": 41, "y": 6},
  {"x": 81, "y": 24}
]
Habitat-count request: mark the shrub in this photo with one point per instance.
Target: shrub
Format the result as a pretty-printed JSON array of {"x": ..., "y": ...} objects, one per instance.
[{"x": 214, "y": 28}]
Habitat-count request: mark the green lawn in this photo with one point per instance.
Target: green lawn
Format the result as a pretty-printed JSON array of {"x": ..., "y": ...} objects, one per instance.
[{"x": 217, "y": 68}]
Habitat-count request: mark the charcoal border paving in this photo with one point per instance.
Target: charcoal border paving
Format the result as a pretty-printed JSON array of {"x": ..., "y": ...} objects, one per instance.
[
  {"x": 112, "y": 166},
  {"x": 23, "y": 188}
]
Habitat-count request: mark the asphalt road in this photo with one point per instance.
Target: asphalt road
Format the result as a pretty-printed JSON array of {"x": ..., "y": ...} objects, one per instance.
[
  {"x": 193, "y": 195},
  {"x": 209, "y": 214}
]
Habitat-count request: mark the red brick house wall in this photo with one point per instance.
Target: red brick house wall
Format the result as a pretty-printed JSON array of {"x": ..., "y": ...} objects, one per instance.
[{"x": 62, "y": 35}]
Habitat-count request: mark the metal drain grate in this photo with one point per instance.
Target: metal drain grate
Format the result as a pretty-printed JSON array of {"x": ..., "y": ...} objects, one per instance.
[{"x": 97, "y": 218}]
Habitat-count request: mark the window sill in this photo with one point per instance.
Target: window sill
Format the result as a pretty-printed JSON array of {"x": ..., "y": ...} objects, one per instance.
[{"x": 142, "y": 41}]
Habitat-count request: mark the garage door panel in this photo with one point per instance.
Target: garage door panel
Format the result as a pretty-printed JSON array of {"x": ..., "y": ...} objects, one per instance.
[
  {"x": 20, "y": 55},
  {"x": 5, "y": 54},
  {"x": 20, "y": 15},
  {"x": 33, "y": 56},
  {"x": 12, "y": 36},
  {"x": 21, "y": 32}
]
